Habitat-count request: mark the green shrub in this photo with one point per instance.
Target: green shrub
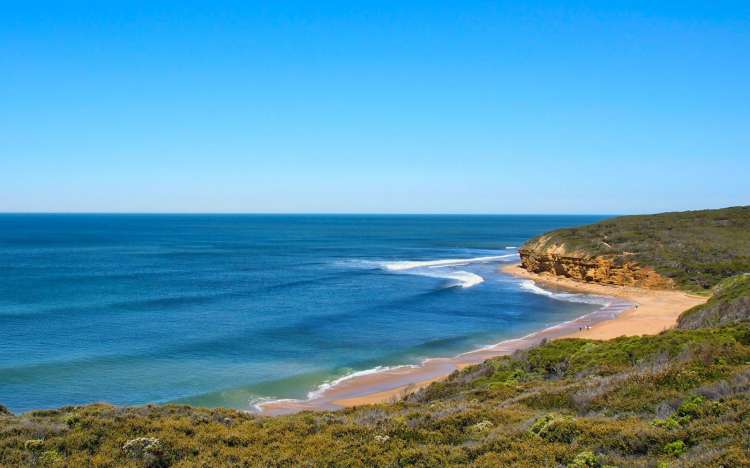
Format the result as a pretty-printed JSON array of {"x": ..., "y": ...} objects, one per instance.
[
  {"x": 691, "y": 407},
  {"x": 555, "y": 428},
  {"x": 668, "y": 423},
  {"x": 675, "y": 449},
  {"x": 585, "y": 459}
]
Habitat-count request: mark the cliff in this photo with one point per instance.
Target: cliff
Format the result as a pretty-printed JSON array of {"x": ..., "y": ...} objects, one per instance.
[
  {"x": 692, "y": 250},
  {"x": 610, "y": 269}
]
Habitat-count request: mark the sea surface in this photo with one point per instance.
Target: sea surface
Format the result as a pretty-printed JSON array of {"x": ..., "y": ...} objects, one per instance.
[{"x": 231, "y": 309}]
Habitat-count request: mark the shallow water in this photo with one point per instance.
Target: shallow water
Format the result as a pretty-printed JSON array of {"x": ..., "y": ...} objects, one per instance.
[{"x": 226, "y": 309}]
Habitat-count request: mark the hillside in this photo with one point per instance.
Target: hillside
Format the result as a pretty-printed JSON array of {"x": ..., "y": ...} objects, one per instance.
[
  {"x": 692, "y": 250},
  {"x": 730, "y": 303}
]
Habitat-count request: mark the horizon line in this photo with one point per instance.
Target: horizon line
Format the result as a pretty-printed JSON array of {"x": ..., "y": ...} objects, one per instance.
[{"x": 297, "y": 213}]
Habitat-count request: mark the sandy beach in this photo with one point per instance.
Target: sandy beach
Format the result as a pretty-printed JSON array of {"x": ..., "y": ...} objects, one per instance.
[
  {"x": 637, "y": 312},
  {"x": 655, "y": 310}
]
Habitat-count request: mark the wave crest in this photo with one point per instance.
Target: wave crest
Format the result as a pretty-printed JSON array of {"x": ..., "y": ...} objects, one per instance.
[
  {"x": 531, "y": 286},
  {"x": 411, "y": 264},
  {"x": 464, "y": 279},
  {"x": 322, "y": 388},
  {"x": 444, "y": 268}
]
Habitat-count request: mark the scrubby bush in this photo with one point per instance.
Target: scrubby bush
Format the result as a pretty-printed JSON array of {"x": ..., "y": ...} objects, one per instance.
[
  {"x": 675, "y": 449},
  {"x": 585, "y": 459}
]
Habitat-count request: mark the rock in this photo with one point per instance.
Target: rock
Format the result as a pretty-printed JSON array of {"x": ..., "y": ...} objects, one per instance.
[{"x": 612, "y": 269}]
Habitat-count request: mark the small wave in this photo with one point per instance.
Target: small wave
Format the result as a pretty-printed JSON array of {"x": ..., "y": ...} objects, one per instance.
[
  {"x": 530, "y": 285},
  {"x": 320, "y": 390},
  {"x": 325, "y": 386},
  {"x": 257, "y": 403},
  {"x": 442, "y": 269},
  {"x": 510, "y": 247},
  {"x": 436, "y": 268},
  {"x": 464, "y": 279}
]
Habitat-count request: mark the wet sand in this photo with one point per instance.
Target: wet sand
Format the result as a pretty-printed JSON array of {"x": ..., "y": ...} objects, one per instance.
[{"x": 633, "y": 311}]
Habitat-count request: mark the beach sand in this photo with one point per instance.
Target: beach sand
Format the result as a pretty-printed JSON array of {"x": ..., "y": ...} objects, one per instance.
[
  {"x": 656, "y": 310},
  {"x": 639, "y": 312}
]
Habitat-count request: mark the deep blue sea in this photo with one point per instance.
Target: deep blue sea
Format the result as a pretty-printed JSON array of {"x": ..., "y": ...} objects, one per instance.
[{"x": 226, "y": 309}]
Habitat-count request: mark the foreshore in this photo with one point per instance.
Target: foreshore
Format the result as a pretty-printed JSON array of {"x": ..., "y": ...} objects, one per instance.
[{"x": 638, "y": 312}]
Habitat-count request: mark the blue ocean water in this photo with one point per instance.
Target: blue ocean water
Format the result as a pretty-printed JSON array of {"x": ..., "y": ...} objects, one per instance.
[{"x": 225, "y": 309}]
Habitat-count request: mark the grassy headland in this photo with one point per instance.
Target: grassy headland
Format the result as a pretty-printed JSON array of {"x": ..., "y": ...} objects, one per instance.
[{"x": 695, "y": 249}]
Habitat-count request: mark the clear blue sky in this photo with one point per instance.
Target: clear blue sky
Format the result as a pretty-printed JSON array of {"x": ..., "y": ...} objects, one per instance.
[{"x": 359, "y": 106}]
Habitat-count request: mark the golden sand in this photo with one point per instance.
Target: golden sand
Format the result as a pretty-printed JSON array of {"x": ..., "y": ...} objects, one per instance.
[{"x": 655, "y": 311}]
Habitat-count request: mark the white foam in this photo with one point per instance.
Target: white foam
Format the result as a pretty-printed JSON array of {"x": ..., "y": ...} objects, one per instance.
[
  {"x": 322, "y": 388},
  {"x": 257, "y": 403},
  {"x": 464, "y": 279},
  {"x": 443, "y": 268},
  {"x": 411, "y": 264},
  {"x": 530, "y": 285}
]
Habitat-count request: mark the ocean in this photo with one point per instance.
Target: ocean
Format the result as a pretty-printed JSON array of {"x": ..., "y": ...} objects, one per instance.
[{"x": 227, "y": 310}]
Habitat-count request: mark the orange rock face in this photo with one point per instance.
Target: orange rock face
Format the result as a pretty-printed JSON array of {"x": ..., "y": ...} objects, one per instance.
[{"x": 614, "y": 270}]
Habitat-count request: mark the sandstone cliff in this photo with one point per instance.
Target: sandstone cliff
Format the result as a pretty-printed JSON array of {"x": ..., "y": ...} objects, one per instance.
[
  {"x": 543, "y": 255},
  {"x": 691, "y": 250}
]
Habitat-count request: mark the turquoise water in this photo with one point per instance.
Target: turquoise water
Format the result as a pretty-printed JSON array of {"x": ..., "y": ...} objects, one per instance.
[{"x": 225, "y": 309}]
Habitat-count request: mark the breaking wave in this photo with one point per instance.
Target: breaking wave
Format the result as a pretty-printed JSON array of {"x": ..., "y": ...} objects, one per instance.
[
  {"x": 410, "y": 264},
  {"x": 530, "y": 285},
  {"x": 444, "y": 268},
  {"x": 322, "y": 388},
  {"x": 258, "y": 403}
]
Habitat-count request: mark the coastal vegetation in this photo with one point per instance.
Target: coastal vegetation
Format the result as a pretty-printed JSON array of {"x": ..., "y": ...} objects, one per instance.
[
  {"x": 730, "y": 302},
  {"x": 693, "y": 249}
]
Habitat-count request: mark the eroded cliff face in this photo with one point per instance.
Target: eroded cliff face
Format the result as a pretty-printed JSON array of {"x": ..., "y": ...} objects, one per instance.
[{"x": 556, "y": 259}]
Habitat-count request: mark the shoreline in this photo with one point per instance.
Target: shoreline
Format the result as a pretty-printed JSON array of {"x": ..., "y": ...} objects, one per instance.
[{"x": 637, "y": 312}]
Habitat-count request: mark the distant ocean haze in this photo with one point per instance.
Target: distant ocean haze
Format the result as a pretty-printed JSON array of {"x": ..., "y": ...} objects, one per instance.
[{"x": 228, "y": 309}]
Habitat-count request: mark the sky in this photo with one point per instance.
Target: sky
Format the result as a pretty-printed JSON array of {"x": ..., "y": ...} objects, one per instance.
[{"x": 374, "y": 106}]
